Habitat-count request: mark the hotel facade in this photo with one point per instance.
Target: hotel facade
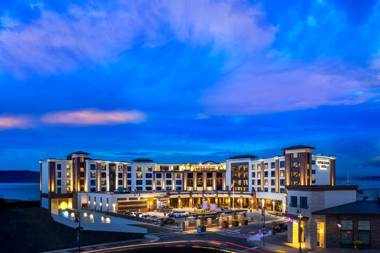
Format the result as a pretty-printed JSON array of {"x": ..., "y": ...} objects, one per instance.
[{"x": 244, "y": 181}]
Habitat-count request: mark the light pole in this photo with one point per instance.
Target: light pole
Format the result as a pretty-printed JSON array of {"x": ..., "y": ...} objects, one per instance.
[
  {"x": 263, "y": 214},
  {"x": 77, "y": 219},
  {"x": 299, "y": 232}
]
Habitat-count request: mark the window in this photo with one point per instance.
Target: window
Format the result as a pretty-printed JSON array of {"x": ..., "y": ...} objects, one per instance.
[
  {"x": 120, "y": 175},
  {"x": 265, "y": 173},
  {"x": 266, "y": 165},
  {"x": 59, "y": 174},
  {"x": 282, "y": 190},
  {"x": 148, "y": 175},
  {"x": 253, "y": 182},
  {"x": 346, "y": 235},
  {"x": 272, "y": 182},
  {"x": 120, "y": 183},
  {"x": 272, "y": 190},
  {"x": 178, "y": 182},
  {"x": 148, "y": 182},
  {"x": 168, "y": 182},
  {"x": 282, "y": 181},
  {"x": 168, "y": 175},
  {"x": 129, "y": 168},
  {"x": 149, "y": 169},
  {"x": 254, "y": 166},
  {"x": 158, "y": 182},
  {"x": 272, "y": 173},
  {"x": 103, "y": 174},
  {"x": 273, "y": 165},
  {"x": 139, "y": 188},
  {"x": 139, "y": 175},
  {"x": 364, "y": 232},
  {"x": 59, "y": 182},
  {"x": 282, "y": 173},
  {"x": 148, "y": 188},
  {"x": 138, "y": 182},
  {"x": 253, "y": 174},
  {"x": 266, "y": 189},
  {"x": 129, "y": 175},
  {"x": 293, "y": 201},
  {"x": 313, "y": 162},
  {"x": 129, "y": 182},
  {"x": 59, "y": 166},
  {"x": 303, "y": 203},
  {"x": 282, "y": 164},
  {"x": 158, "y": 188},
  {"x": 313, "y": 172},
  {"x": 92, "y": 182},
  {"x": 158, "y": 175},
  {"x": 92, "y": 166}
]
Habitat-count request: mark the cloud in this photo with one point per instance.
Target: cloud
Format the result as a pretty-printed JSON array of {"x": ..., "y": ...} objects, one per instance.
[
  {"x": 89, "y": 34},
  {"x": 255, "y": 91},
  {"x": 11, "y": 122},
  {"x": 93, "y": 117}
]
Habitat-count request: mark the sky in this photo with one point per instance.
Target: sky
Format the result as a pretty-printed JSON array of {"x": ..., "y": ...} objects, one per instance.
[{"x": 189, "y": 81}]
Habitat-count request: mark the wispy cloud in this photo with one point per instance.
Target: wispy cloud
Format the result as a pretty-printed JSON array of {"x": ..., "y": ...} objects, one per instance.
[
  {"x": 252, "y": 90},
  {"x": 52, "y": 44},
  {"x": 93, "y": 117},
  {"x": 11, "y": 122}
]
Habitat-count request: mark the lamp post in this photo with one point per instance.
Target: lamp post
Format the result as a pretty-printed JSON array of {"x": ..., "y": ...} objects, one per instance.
[
  {"x": 299, "y": 232},
  {"x": 77, "y": 219},
  {"x": 263, "y": 229}
]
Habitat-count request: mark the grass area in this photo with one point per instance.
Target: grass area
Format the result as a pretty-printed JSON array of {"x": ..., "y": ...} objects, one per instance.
[{"x": 31, "y": 229}]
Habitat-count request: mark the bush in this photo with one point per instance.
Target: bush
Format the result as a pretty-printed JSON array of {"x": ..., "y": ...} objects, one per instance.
[{"x": 358, "y": 244}]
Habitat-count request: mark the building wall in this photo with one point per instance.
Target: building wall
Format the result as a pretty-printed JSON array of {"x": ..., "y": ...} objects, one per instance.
[{"x": 333, "y": 231}]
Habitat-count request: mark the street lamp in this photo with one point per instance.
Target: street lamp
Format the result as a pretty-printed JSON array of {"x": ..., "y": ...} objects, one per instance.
[
  {"x": 77, "y": 219},
  {"x": 263, "y": 229},
  {"x": 299, "y": 231}
]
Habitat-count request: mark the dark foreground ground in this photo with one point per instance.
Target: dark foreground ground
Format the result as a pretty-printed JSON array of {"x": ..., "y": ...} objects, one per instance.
[{"x": 31, "y": 229}]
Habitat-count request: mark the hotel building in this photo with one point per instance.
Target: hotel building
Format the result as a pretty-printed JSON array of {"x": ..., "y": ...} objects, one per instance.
[{"x": 244, "y": 181}]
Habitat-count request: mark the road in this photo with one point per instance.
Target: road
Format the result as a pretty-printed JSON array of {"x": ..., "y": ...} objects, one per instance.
[{"x": 229, "y": 240}]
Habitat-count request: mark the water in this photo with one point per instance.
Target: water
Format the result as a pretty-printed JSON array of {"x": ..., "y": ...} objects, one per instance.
[
  {"x": 363, "y": 184},
  {"x": 20, "y": 191}
]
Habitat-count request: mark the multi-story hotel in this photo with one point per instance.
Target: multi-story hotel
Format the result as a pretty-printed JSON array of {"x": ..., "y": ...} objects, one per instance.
[{"x": 244, "y": 181}]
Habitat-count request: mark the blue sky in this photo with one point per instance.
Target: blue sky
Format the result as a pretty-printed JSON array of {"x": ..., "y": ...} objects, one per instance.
[{"x": 187, "y": 81}]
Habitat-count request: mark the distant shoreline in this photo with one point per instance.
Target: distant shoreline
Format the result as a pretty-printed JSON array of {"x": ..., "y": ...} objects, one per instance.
[{"x": 19, "y": 176}]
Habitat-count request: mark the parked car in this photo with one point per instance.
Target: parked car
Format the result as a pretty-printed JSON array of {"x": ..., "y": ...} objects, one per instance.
[
  {"x": 178, "y": 214},
  {"x": 136, "y": 214},
  {"x": 167, "y": 221},
  {"x": 280, "y": 227}
]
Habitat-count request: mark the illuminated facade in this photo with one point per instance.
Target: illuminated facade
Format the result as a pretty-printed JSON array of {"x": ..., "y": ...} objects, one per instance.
[{"x": 244, "y": 181}]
